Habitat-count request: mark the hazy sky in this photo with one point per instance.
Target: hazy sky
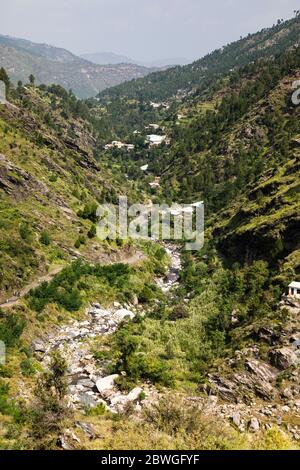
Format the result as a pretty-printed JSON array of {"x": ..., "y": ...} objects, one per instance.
[{"x": 142, "y": 29}]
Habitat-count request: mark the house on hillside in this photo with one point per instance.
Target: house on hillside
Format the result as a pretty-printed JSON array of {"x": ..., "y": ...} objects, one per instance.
[
  {"x": 294, "y": 290},
  {"x": 154, "y": 140},
  {"x": 118, "y": 145}
]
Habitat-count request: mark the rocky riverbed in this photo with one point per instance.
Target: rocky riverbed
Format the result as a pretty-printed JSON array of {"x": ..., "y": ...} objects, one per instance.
[{"x": 88, "y": 386}]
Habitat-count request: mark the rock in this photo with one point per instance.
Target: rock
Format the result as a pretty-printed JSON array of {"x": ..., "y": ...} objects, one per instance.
[
  {"x": 106, "y": 384},
  {"x": 121, "y": 314},
  {"x": 86, "y": 383},
  {"x": 212, "y": 399},
  {"x": 87, "y": 429},
  {"x": 87, "y": 400},
  {"x": 254, "y": 425},
  {"x": 38, "y": 346},
  {"x": 287, "y": 393},
  {"x": 223, "y": 387},
  {"x": 134, "y": 394},
  {"x": 117, "y": 305},
  {"x": 236, "y": 419},
  {"x": 283, "y": 358},
  {"x": 261, "y": 370},
  {"x": 120, "y": 401}
]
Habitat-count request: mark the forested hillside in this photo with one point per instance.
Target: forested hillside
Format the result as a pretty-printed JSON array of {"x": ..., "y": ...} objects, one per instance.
[{"x": 160, "y": 86}]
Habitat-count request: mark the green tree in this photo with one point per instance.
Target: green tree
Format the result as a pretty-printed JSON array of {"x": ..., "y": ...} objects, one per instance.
[
  {"x": 49, "y": 413},
  {"x": 32, "y": 80}
]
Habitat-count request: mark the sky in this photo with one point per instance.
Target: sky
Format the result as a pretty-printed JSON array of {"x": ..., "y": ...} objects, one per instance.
[{"x": 145, "y": 30}]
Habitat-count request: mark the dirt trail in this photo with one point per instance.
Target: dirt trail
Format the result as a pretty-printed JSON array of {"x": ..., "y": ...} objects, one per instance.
[
  {"x": 11, "y": 302},
  {"x": 37, "y": 282}
]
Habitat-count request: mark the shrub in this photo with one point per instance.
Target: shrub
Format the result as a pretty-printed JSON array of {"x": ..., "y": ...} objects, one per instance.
[
  {"x": 45, "y": 238},
  {"x": 92, "y": 232},
  {"x": 98, "y": 410},
  {"x": 27, "y": 367},
  {"x": 25, "y": 232},
  {"x": 11, "y": 328},
  {"x": 89, "y": 212},
  {"x": 179, "y": 311}
]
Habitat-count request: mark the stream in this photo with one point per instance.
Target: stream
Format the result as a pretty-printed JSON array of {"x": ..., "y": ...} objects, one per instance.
[{"x": 87, "y": 384}]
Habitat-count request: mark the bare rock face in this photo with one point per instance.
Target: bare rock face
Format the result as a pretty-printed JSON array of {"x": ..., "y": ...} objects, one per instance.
[{"x": 283, "y": 358}]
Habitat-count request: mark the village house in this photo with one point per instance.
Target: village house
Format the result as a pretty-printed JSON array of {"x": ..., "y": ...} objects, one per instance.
[
  {"x": 118, "y": 145},
  {"x": 294, "y": 290},
  {"x": 154, "y": 140}
]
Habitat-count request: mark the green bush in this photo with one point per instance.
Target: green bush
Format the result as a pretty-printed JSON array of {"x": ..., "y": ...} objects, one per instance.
[
  {"x": 45, "y": 238},
  {"x": 25, "y": 232},
  {"x": 27, "y": 367},
  {"x": 92, "y": 232},
  {"x": 11, "y": 328}
]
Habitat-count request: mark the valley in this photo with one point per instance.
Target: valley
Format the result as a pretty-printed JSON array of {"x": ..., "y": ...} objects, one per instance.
[{"x": 139, "y": 344}]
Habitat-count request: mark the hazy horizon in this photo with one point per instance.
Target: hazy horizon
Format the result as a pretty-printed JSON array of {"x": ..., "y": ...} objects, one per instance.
[{"x": 140, "y": 29}]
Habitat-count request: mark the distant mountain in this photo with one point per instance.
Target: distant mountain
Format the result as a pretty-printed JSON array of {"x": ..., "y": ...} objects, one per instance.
[
  {"x": 50, "y": 64},
  {"x": 105, "y": 58},
  {"x": 166, "y": 62}
]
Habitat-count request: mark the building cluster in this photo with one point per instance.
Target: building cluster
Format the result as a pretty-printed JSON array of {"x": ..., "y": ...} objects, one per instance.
[{"x": 115, "y": 144}]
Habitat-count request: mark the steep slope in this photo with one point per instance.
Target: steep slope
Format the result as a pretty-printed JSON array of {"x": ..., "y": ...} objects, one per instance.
[
  {"x": 48, "y": 173},
  {"x": 54, "y": 65},
  {"x": 161, "y": 86}
]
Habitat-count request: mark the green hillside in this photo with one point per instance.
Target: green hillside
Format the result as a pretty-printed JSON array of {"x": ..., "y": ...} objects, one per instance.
[{"x": 197, "y": 350}]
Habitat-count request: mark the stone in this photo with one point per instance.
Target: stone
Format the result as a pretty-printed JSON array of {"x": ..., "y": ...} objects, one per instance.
[
  {"x": 254, "y": 425},
  {"x": 287, "y": 393},
  {"x": 212, "y": 399},
  {"x": 87, "y": 400},
  {"x": 283, "y": 358},
  {"x": 86, "y": 383},
  {"x": 260, "y": 369},
  {"x": 134, "y": 394},
  {"x": 236, "y": 419},
  {"x": 105, "y": 385},
  {"x": 38, "y": 346},
  {"x": 87, "y": 429},
  {"x": 121, "y": 314}
]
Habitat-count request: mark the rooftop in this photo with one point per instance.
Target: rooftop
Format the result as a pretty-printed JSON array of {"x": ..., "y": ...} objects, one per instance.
[{"x": 295, "y": 285}]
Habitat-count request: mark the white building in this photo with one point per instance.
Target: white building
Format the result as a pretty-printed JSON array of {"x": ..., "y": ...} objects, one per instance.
[
  {"x": 118, "y": 145},
  {"x": 294, "y": 290},
  {"x": 144, "y": 167},
  {"x": 154, "y": 139}
]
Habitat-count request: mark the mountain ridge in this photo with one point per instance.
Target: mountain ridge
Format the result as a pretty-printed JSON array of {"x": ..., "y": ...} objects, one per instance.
[{"x": 50, "y": 64}]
